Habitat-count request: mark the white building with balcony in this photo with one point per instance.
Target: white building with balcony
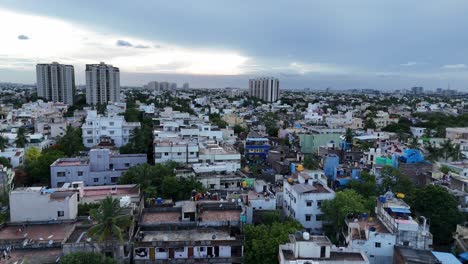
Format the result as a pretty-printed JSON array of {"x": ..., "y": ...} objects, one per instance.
[
  {"x": 303, "y": 199},
  {"x": 97, "y": 129}
]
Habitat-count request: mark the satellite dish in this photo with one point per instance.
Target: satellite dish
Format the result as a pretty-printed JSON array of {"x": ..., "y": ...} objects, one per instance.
[{"x": 213, "y": 237}]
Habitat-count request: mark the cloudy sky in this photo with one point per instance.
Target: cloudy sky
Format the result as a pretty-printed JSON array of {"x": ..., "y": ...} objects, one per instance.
[{"x": 306, "y": 43}]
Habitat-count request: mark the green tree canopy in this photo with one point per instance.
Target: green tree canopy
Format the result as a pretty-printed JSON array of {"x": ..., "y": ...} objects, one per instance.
[
  {"x": 21, "y": 138},
  {"x": 38, "y": 171},
  {"x": 71, "y": 143},
  {"x": 86, "y": 258},
  {"x": 262, "y": 241},
  {"x": 394, "y": 180},
  {"x": 160, "y": 180},
  {"x": 3, "y": 143},
  {"x": 345, "y": 203},
  {"x": 5, "y": 162},
  {"x": 441, "y": 208},
  {"x": 111, "y": 222}
]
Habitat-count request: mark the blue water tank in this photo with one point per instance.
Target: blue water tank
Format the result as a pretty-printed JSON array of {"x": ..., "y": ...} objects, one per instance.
[
  {"x": 364, "y": 216},
  {"x": 159, "y": 200},
  {"x": 382, "y": 199}
]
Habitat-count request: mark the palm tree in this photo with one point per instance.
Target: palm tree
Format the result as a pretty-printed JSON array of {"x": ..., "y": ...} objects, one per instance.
[
  {"x": 447, "y": 149},
  {"x": 433, "y": 152},
  {"x": 413, "y": 144},
  {"x": 3, "y": 143},
  {"x": 111, "y": 222},
  {"x": 349, "y": 135},
  {"x": 456, "y": 153},
  {"x": 21, "y": 138}
]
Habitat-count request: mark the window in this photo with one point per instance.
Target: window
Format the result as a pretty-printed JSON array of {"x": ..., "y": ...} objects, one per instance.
[
  {"x": 161, "y": 250},
  {"x": 406, "y": 243},
  {"x": 111, "y": 132},
  {"x": 309, "y": 203},
  {"x": 202, "y": 249},
  {"x": 166, "y": 153},
  {"x": 114, "y": 179},
  {"x": 319, "y": 203},
  {"x": 90, "y": 141},
  {"x": 127, "y": 164},
  {"x": 319, "y": 217},
  {"x": 179, "y": 249},
  {"x": 111, "y": 123},
  {"x": 61, "y": 174},
  {"x": 179, "y": 153},
  {"x": 96, "y": 179},
  {"x": 80, "y": 173},
  {"x": 60, "y": 213},
  {"x": 308, "y": 217},
  {"x": 103, "y": 128},
  {"x": 377, "y": 244},
  {"x": 89, "y": 132}
]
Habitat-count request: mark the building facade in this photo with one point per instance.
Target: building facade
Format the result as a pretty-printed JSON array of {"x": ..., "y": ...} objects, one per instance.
[
  {"x": 101, "y": 168},
  {"x": 266, "y": 89},
  {"x": 110, "y": 129},
  {"x": 102, "y": 84},
  {"x": 46, "y": 204},
  {"x": 56, "y": 82},
  {"x": 303, "y": 199}
]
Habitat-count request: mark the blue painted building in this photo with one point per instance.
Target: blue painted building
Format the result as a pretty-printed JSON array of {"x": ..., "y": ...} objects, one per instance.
[{"x": 256, "y": 146}]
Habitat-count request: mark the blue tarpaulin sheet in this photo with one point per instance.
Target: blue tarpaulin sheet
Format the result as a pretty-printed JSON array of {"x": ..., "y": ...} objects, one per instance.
[{"x": 400, "y": 210}]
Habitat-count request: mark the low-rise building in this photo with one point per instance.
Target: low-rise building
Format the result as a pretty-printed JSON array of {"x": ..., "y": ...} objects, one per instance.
[
  {"x": 304, "y": 248},
  {"x": 14, "y": 155},
  {"x": 303, "y": 198},
  {"x": 97, "y": 129},
  {"x": 47, "y": 204},
  {"x": 100, "y": 168}
]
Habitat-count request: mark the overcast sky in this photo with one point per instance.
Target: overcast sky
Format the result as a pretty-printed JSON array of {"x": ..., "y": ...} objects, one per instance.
[{"x": 317, "y": 44}]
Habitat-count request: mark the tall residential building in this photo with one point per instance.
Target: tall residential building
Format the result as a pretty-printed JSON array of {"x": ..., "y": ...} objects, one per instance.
[
  {"x": 102, "y": 84},
  {"x": 56, "y": 82},
  {"x": 266, "y": 89},
  {"x": 153, "y": 86},
  {"x": 186, "y": 86}
]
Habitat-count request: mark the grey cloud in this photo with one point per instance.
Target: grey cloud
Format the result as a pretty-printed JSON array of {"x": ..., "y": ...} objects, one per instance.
[
  {"x": 123, "y": 43},
  {"x": 142, "y": 46},
  {"x": 23, "y": 37},
  {"x": 454, "y": 66}
]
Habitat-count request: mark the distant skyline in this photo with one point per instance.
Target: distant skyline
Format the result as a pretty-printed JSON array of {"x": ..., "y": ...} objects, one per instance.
[{"x": 209, "y": 43}]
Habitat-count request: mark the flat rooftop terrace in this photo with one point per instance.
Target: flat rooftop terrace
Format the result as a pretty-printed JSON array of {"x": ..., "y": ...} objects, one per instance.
[
  {"x": 38, "y": 233},
  {"x": 193, "y": 235}
]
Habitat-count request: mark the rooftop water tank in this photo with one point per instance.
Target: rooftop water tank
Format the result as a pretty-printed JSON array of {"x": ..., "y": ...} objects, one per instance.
[
  {"x": 125, "y": 201},
  {"x": 306, "y": 236}
]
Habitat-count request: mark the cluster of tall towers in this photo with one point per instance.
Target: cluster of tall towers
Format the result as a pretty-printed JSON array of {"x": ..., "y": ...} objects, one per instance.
[
  {"x": 56, "y": 83},
  {"x": 265, "y": 88}
]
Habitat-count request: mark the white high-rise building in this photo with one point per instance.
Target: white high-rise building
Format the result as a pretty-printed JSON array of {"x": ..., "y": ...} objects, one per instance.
[
  {"x": 102, "y": 84},
  {"x": 153, "y": 86},
  {"x": 265, "y": 88},
  {"x": 186, "y": 86},
  {"x": 56, "y": 82}
]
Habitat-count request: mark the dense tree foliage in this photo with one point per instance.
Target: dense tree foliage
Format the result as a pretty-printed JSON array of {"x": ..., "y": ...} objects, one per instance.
[
  {"x": 440, "y": 207},
  {"x": 5, "y": 162},
  {"x": 216, "y": 119},
  {"x": 38, "y": 171},
  {"x": 21, "y": 138},
  {"x": 394, "y": 180},
  {"x": 160, "y": 181},
  {"x": 239, "y": 129},
  {"x": 72, "y": 142},
  {"x": 111, "y": 223},
  {"x": 347, "y": 202},
  {"x": 86, "y": 258},
  {"x": 3, "y": 143},
  {"x": 438, "y": 122},
  {"x": 262, "y": 241}
]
